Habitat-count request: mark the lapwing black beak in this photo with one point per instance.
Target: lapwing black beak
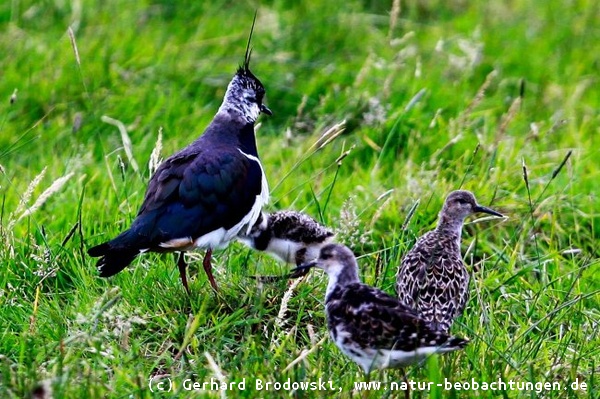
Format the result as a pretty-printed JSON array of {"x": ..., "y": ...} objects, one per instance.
[
  {"x": 302, "y": 270},
  {"x": 265, "y": 110},
  {"x": 489, "y": 211}
]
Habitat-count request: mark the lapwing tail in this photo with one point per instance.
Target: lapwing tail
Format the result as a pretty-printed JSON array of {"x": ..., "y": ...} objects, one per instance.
[
  {"x": 99, "y": 250},
  {"x": 115, "y": 255}
]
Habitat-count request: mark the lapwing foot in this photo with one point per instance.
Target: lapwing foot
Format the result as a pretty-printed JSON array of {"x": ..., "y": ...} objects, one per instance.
[
  {"x": 182, "y": 272},
  {"x": 208, "y": 269}
]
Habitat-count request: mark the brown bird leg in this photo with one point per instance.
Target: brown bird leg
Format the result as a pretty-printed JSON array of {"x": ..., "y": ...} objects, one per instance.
[
  {"x": 407, "y": 392},
  {"x": 182, "y": 271},
  {"x": 367, "y": 381},
  {"x": 208, "y": 269}
]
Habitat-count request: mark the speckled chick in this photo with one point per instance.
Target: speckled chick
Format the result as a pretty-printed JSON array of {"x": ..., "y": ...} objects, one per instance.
[
  {"x": 290, "y": 236},
  {"x": 432, "y": 278},
  {"x": 371, "y": 327}
]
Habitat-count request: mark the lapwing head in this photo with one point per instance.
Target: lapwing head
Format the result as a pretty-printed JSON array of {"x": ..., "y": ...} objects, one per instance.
[
  {"x": 246, "y": 92},
  {"x": 461, "y": 203}
]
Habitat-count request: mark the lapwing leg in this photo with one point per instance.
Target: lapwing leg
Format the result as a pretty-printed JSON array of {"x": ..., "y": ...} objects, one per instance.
[
  {"x": 182, "y": 271},
  {"x": 208, "y": 269}
]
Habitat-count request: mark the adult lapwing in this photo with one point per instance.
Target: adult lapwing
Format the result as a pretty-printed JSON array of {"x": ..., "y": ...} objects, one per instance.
[{"x": 207, "y": 193}]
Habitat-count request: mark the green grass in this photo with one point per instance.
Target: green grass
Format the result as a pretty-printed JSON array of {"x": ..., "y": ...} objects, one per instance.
[{"x": 416, "y": 129}]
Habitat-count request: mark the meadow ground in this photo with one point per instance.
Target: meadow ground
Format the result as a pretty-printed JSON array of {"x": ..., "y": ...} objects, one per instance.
[{"x": 433, "y": 96}]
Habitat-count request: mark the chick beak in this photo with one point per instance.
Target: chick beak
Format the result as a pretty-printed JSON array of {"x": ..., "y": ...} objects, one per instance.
[{"x": 302, "y": 270}]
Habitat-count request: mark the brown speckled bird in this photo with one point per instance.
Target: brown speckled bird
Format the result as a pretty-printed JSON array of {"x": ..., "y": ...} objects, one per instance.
[
  {"x": 371, "y": 327},
  {"x": 290, "y": 236},
  {"x": 432, "y": 278}
]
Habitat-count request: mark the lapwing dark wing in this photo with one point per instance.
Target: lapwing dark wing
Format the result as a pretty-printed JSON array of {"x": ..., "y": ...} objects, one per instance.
[
  {"x": 291, "y": 236},
  {"x": 432, "y": 278},
  {"x": 207, "y": 193},
  {"x": 371, "y": 327}
]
